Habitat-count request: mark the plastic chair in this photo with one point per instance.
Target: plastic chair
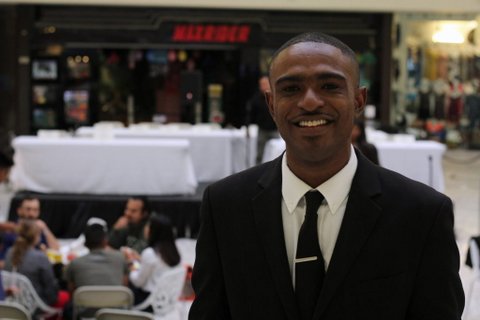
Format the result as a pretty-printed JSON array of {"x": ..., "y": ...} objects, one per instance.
[
  {"x": 23, "y": 293},
  {"x": 14, "y": 311},
  {"x": 118, "y": 314},
  {"x": 88, "y": 299},
  {"x": 475, "y": 258},
  {"x": 164, "y": 300}
]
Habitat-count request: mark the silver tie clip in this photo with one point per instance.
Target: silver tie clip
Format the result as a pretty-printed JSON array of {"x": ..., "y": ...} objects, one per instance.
[{"x": 307, "y": 259}]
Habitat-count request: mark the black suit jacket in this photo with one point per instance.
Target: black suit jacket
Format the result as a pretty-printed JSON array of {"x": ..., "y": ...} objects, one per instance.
[{"x": 395, "y": 256}]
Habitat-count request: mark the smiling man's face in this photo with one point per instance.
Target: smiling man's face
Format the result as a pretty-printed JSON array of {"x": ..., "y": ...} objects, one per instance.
[{"x": 314, "y": 100}]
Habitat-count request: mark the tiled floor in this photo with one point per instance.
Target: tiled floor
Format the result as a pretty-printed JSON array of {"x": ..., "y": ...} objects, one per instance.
[{"x": 462, "y": 184}]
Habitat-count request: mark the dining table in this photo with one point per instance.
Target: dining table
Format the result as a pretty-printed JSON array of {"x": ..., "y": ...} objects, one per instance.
[
  {"x": 216, "y": 153},
  {"x": 419, "y": 160},
  {"x": 103, "y": 166}
]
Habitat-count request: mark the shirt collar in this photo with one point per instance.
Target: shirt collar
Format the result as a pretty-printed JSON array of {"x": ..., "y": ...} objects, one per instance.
[{"x": 335, "y": 189}]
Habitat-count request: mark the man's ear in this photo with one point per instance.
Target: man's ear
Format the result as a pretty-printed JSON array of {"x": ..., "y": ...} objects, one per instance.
[
  {"x": 360, "y": 100},
  {"x": 269, "y": 101}
]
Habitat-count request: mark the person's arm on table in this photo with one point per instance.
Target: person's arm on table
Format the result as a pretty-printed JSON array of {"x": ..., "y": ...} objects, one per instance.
[
  {"x": 52, "y": 241},
  {"x": 118, "y": 235},
  {"x": 7, "y": 226},
  {"x": 140, "y": 276},
  {"x": 117, "y": 238}
]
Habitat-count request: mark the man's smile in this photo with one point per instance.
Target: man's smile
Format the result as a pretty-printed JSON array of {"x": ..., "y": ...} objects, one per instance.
[{"x": 312, "y": 123}]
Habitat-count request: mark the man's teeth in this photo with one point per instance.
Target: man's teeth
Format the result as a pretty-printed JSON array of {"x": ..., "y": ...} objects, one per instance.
[{"x": 312, "y": 123}]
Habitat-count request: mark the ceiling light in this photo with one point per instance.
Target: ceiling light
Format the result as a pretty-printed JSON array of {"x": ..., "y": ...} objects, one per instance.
[{"x": 448, "y": 33}]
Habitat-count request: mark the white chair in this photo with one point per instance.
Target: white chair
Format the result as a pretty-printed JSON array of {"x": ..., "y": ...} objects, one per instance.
[
  {"x": 119, "y": 314},
  {"x": 88, "y": 299},
  {"x": 13, "y": 311},
  {"x": 164, "y": 300},
  {"x": 475, "y": 258},
  {"x": 24, "y": 294}
]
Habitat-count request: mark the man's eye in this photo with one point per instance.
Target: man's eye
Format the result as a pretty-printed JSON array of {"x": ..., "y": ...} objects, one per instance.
[
  {"x": 290, "y": 89},
  {"x": 330, "y": 86}
]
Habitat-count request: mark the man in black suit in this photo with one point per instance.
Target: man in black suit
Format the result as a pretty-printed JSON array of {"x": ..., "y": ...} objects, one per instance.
[{"x": 387, "y": 245}]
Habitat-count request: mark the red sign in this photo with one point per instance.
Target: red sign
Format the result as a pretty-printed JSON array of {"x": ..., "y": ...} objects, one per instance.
[{"x": 217, "y": 33}]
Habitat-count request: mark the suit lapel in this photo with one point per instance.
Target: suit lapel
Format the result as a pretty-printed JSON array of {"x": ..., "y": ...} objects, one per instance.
[
  {"x": 359, "y": 220},
  {"x": 268, "y": 219}
]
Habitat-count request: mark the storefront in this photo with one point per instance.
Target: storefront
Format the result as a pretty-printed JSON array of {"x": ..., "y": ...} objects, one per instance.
[
  {"x": 436, "y": 81},
  {"x": 87, "y": 64}
]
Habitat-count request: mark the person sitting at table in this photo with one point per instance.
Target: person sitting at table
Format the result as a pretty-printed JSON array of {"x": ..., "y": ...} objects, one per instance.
[
  {"x": 6, "y": 163},
  {"x": 25, "y": 259},
  {"x": 128, "y": 229},
  {"x": 359, "y": 140},
  {"x": 101, "y": 266},
  {"x": 258, "y": 113},
  {"x": 29, "y": 209},
  {"x": 161, "y": 255}
]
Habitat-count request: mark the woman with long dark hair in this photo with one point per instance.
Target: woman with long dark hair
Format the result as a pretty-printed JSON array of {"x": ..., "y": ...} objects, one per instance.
[{"x": 160, "y": 255}]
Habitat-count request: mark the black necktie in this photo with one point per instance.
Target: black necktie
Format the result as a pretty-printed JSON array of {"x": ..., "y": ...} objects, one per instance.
[{"x": 309, "y": 265}]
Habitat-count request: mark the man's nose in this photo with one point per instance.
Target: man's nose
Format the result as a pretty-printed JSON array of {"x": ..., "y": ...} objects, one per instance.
[{"x": 311, "y": 100}]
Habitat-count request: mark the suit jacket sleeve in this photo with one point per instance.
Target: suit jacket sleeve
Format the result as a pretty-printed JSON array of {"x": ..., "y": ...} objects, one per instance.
[
  {"x": 207, "y": 279},
  {"x": 438, "y": 292}
]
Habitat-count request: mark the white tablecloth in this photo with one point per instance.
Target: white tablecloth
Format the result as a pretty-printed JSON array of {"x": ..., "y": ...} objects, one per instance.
[
  {"x": 419, "y": 160},
  {"x": 76, "y": 165},
  {"x": 215, "y": 153}
]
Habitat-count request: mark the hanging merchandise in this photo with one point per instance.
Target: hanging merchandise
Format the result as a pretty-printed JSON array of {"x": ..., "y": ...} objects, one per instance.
[
  {"x": 471, "y": 116},
  {"x": 455, "y": 102},
  {"x": 425, "y": 100},
  {"x": 440, "y": 89},
  {"x": 437, "y": 62}
]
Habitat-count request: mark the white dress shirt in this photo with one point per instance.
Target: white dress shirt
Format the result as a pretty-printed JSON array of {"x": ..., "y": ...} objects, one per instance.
[{"x": 330, "y": 214}]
